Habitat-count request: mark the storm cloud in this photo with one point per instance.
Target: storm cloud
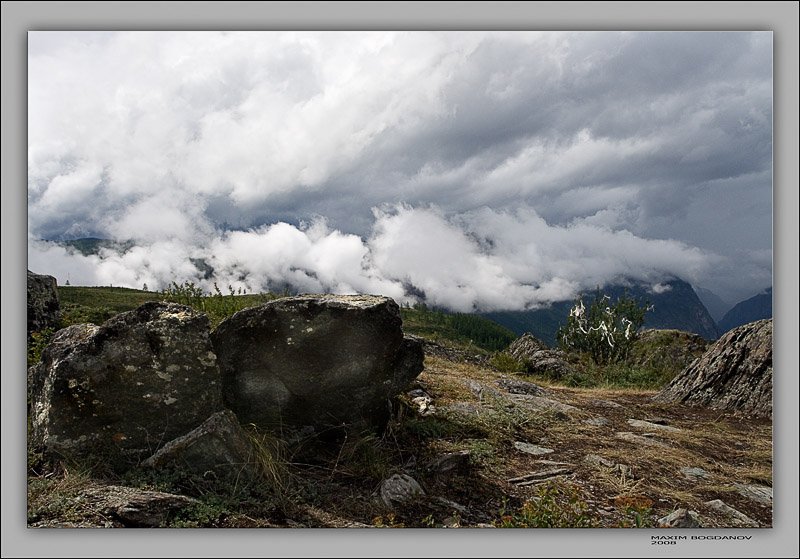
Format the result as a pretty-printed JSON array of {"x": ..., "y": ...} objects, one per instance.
[{"x": 484, "y": 170}]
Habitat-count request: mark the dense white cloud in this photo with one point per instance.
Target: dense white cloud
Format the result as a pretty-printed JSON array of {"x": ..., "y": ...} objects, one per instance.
[
  {"x": 658, "y": 143},
  {"x": 477, "y": 261}
]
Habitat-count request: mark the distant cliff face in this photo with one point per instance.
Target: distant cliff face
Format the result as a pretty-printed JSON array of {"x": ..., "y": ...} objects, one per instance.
[
  {"x": 675, "y": 307},
  {"x": 755, "y": 308}
]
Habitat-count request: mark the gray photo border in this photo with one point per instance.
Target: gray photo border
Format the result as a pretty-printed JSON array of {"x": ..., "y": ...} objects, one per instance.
[{"x": 20, "y": 17}]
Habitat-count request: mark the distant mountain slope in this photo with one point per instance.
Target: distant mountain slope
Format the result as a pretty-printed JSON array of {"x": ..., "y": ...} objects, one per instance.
[
  {"x": 755, "y": 308},
  {"x": 675, "y": 307},
  {"x": 91, "y": 245},
  {"x": 715, "y": 305}
]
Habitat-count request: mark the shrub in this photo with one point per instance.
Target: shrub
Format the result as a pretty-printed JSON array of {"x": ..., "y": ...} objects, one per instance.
[
  {"x": 605, "y": 331},
  {"x": 37, "y": 343},
  {"x": 552, "y": 508}
]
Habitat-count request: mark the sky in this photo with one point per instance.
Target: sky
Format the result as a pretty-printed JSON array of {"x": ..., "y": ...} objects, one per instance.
[{"x": 479, "y": 170}]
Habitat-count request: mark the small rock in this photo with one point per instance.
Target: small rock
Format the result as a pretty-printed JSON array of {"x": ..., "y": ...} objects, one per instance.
[
  {"x": 480, "y": 391},
  {"x": 597, "y": 459},
  {"x": 531, "y": 448},
  {"x": 596, "y": 421},
  {"x": 600, "y": 461},
  {"x": 639, "y": 439},
  {"x": 398, "y": 489},
  {"x": 695, "y": 474},
  {"x": 757, "y": 493},
  {"x": 680, "y": 518},
  {"x": 461, "y": 509},
  {"x": 535, "y": 478},
  {"x": 417, "y": 393},
  {"x": 516, "y": 386},
  {"x": 424, "y": 405},
  {"x": 604, "y": 403},
  {"x": 538, "y": 403},
  {"x": 741, "y": 518},
  {"x": 449, "y": 464},
  {"x": 649, "y": 425}
]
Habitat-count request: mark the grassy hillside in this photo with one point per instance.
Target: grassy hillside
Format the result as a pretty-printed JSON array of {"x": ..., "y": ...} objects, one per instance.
[
  {"x": 98, "y": 304},
  {"x": 463, "y": 329}
]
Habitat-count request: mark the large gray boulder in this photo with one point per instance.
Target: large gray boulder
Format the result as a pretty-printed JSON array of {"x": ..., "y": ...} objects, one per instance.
[
  {"x": 300, "y": 366},
  {"x": 124, "y": 389},
  {"x": 44, "y": 310},
  {"x": 734, "y": 374}
]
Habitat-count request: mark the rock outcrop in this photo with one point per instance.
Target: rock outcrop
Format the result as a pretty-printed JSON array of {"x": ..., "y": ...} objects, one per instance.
[
  {"x": 44, "y": 310},
  {"x": 734, "y": 374},
  {"x": 308, "y": 365},
  {"x": 538, "y": 358},
  {"x": 127, "y": 387}
]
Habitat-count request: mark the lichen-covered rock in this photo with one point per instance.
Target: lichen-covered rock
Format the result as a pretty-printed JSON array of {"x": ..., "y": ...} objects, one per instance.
[
  {"x": 44, "y": 310},
  {"x": 398, "y": 489},
  {"x": 538, "y": 358},
  {"x": 734, "y": 374},
  {"x": 680, "y": 518},
  {"x": 218, "y": 445},
  {"x": 137, "y": 508},
  {"x": 127, "y": 387},
  {"x": 307, "y": 365}
]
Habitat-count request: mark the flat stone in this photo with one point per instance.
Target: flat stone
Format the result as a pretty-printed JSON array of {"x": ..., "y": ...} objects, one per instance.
[
  {"x": 604, "y": 403},
  {"x": 695, "y": 474},
  {"x": 649, "y": 425},
  {"x": 452, "y": 505},
  {"x": 481, "y": 391},
  {"x": 638, "y": 439},
  {"x": 531, "y": 448},
  {"x": 757, "y": 493},
  {"x": 516, "y": 386},
  {"x": 135, "y": 507},
  {"x": 538, "y": 403},
  {"x": 535, "y": 478},
  {"x": 740, "y": 518},
  {"x": 596, "y": 421}
]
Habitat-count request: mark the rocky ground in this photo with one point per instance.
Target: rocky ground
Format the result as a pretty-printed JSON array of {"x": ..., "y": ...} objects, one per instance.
[{"x": 471, "y": 447}]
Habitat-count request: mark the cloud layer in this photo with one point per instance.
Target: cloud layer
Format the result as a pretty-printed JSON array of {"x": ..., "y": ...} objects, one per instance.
[
  {"x": 479, "y": 167},
  {"x": 477, "y": 261}
]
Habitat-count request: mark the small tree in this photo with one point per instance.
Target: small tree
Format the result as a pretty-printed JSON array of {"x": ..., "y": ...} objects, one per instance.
[{"x": 605, "y": 331}]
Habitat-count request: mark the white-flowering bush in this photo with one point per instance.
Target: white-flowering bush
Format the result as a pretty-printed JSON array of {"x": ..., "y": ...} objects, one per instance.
[{"x": 606, "y": 331}]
